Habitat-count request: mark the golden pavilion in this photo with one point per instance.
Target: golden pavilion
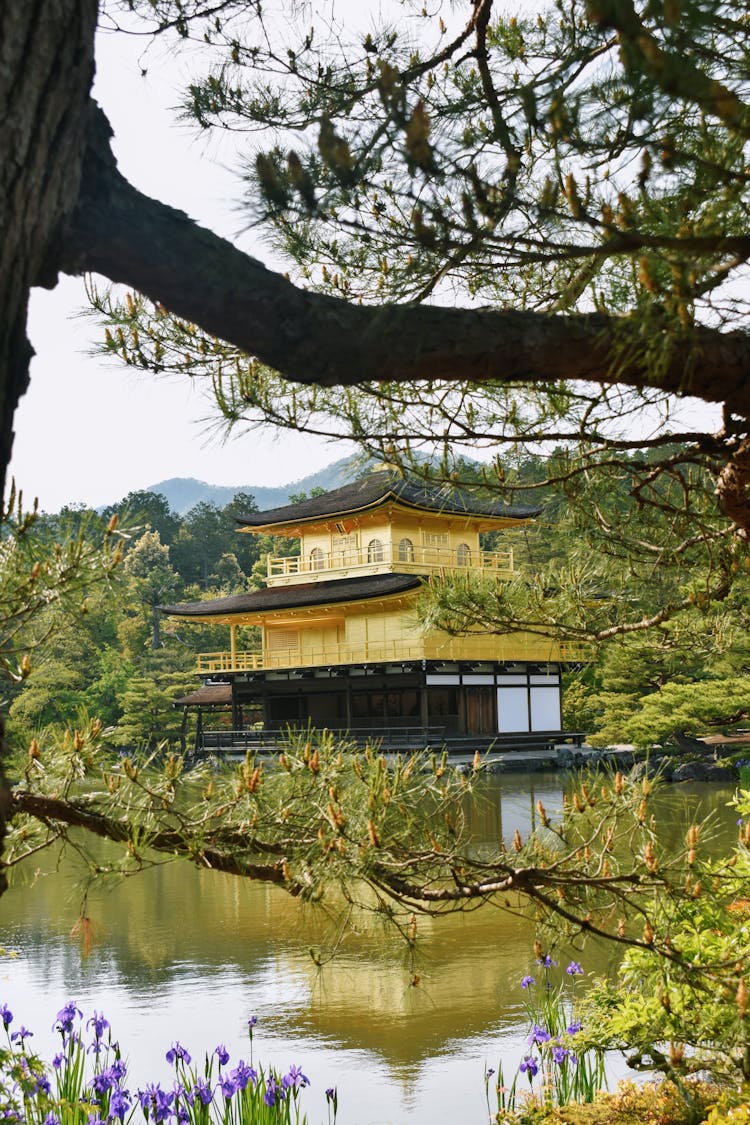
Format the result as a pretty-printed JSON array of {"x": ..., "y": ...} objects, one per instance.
[{"x": 340, "y": 646}]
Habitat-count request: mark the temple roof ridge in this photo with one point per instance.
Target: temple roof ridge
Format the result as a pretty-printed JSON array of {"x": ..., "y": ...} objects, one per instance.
[{"x": 379, "y": 486}]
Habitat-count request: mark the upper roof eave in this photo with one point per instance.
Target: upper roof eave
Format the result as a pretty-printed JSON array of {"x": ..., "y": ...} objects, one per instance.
[
  {"x": 379, "y": 488},
  {"x": 299, "y": 596}
]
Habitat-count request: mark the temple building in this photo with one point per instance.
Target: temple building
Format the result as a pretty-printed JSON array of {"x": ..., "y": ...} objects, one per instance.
[{"x": 339, "y": 643}]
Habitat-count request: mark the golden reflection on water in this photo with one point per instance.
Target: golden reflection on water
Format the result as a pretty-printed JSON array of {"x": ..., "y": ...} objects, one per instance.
[{"x": 175, "y": 932}]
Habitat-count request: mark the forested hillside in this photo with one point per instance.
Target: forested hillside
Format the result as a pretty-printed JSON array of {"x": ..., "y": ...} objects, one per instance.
[{"x": 108, "y": 653}]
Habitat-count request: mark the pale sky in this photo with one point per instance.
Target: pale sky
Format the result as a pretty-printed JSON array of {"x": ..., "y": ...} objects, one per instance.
[{"x": 90, "y": 430}]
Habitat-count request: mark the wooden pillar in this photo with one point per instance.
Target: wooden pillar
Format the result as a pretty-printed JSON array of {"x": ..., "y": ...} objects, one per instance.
[
  {"x": 463, "y": 725},
  {"x": 183, "y": 731},
  {"x": 423, "y": 707},
  {"x": 233, "y": 645},
  {"x": 348, "y": 703}
]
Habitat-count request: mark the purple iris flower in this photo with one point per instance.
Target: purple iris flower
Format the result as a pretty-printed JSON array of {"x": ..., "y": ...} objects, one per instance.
[
  {"x": 103, "y": 1082},
  {"x": 66, "y": 1017},
  {"x": 538, "y": 1035},
  {"x": 118, "y": 1069},
  {"x": 251, "y": 1023},
  {"x": 573, "y": 1028},
  {"x": 526, "y": 982},
  {"x": 176, "y": 1052},
  {"x": 547, "y": 961},
  {"x": 295, "y": 1078},
  {"x": 145, "y": 1097},
  {"x": 529, "y": 1066},
  {"x": 272, "y": 1092},
  {"x": 99, "y": 1023},
  {"x": 50, "y": 1119},
  {"x": 574, "y": 969},
  {"x": 58, "y": 1060},
  {"x": 202, "y": 1090},
  {"x": 559, "y": 1055},
  {"x": 156, "y": 1100},
  {"x": 42, "y": 1084},
  {"x": 6, "y": 1015},
  {"x": 119, "y": 1104},
  {"x": 228, "y": 1087},
  {"x": 22, "y": 1034},
  {"x": 242, "y": 1074},
  {"x": 222, "y": 1054}
]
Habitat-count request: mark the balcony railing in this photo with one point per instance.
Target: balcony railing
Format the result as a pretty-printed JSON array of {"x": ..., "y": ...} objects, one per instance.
[
  {"x": 410, "y": 558},
  {"x": 480, "y": 646}
]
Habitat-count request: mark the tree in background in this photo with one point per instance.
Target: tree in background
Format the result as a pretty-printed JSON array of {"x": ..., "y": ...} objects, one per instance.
[
  {"x": 154, "y": 580},
  {"x": 149, "y": 509},
  {"x": 149, "y": 719},
  {"x": 101, "y": 649}
]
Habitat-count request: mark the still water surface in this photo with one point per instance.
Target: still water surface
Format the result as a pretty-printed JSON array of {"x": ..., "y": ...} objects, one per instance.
[{"x": 188, "y": 955}]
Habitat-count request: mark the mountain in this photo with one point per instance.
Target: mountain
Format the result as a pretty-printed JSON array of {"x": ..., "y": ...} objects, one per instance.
[{"x": 182, "y": 493}]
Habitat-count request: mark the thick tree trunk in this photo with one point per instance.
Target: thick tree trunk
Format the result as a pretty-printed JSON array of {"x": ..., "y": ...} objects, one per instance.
[{"x": 46, "y": 70}]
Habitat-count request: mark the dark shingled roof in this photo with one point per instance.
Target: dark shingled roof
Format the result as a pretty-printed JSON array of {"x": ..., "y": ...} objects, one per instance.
[
  {"x": 209, "y": 695},
  {"x": 299, "y": 596},
  {"x": 378, "y": 487}
]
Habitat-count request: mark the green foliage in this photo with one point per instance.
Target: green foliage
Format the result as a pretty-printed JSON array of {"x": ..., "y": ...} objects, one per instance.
[
  {"x": 84, "y": 635},
  {"x": 41, "y": 578},
  {"x": 207, "y": 533},
  {"x": 153, "y": 581},
  {"x": 729, "y": 1113},
  {"x": 689, "y": 676},
  {"x": 695, "y": 708},
  {"x": 149, "y": 718},
  {"x": 691, "y": 1012},
  {"x": 646, "y": 1103},
  {"x": 148, "y": 509}
]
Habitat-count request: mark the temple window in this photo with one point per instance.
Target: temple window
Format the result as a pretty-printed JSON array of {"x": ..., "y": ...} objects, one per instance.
[
  {"x": 405, "y": 550},
  {"x": 463, "y": 554}
]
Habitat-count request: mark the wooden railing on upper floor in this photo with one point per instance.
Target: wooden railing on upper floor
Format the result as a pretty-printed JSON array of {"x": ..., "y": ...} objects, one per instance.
[
  {"x": 405, "y": 557},
  {"x": 405, "y": 648}
]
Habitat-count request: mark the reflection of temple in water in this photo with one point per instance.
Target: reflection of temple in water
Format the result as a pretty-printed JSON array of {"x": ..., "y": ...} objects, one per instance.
[
  {"x": 339, "y": 645},
  {"x": 176, "y": 927}
]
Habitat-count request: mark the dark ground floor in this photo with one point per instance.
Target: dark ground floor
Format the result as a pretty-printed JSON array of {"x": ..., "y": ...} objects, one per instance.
[{"x": 403, "y": 705}]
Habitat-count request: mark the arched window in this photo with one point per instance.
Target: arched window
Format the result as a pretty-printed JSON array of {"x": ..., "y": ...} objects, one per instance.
[
  {"x": 405, "y": 550},
  {"x": 375, "y": 550},
  {"x": 317, "y": 561},
  {"x": 463, "y": 554}
]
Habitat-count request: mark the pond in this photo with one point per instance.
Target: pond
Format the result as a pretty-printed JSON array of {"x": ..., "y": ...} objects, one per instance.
[{"x": 182, "y": 954}]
